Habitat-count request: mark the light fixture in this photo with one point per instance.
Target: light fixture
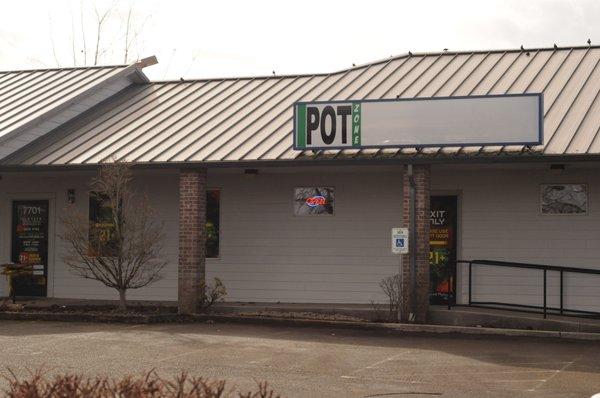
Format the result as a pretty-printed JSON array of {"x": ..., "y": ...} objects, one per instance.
[
  {"x": 250, "y": 173},
  {"x": 557, "y": 168},
  {"x": 70, "y": 196}
]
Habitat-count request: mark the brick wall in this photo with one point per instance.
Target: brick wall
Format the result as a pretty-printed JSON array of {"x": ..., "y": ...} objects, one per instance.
[
  {"x": 192, "y": 237},
  {"x": 422, "y": 178}
]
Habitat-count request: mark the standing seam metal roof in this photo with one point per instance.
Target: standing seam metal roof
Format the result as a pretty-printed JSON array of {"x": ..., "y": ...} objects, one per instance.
[
  {"x": 250, "y": 119},
  {"x": 27, "y": 95}
]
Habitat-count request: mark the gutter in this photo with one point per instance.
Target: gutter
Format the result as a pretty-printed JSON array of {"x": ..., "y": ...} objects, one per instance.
[{"x": 505, "y": 159}]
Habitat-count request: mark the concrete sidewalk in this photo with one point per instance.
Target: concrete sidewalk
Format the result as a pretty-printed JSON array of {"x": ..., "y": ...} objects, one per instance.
[
  {"x": 459, "y": 319},
  {"x": 499, "y": 318}
]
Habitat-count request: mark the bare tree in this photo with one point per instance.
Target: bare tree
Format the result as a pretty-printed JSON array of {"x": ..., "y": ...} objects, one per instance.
[
  {"x": 96, "y": 34},
  {"x": 121, "y": 247},
  {"x": 84, "y": 50},
  {"x": 127, "y": 37},
  {"x": 100, "y": 19}
]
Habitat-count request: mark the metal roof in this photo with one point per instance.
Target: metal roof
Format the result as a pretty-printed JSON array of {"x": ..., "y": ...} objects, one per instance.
[
  {"x": 250, "y": 119},
  {"x": 26, "y": 95}
]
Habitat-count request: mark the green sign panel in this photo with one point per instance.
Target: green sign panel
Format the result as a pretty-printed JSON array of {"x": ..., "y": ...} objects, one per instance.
[{"x": 328, "y": 125}]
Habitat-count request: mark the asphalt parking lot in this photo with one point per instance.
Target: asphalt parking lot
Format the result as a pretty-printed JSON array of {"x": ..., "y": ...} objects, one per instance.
[{"x": 311, "y": 362}]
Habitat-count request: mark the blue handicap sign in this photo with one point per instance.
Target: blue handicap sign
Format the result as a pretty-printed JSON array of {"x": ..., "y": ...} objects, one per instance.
[{"x": 400, "y": 242}]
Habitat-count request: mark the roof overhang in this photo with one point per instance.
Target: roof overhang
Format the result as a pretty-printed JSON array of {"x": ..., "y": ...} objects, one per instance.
[{"x": 323, "y": 162}]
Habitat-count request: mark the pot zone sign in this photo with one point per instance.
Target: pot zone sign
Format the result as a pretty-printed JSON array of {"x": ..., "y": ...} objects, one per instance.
[{"x": 512, "y": 119}]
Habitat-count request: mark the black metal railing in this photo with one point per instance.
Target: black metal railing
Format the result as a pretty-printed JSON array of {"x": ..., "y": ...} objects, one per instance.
[{"x": 544, "y": 308}]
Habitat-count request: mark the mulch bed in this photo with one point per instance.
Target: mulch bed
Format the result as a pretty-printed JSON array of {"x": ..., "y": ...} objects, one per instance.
[
  {"x": 302, "y": 315},
  {"x": 149, "y": 314},
  {"x": 105, "y": 309},
  {"x": 89, "y": 313}
]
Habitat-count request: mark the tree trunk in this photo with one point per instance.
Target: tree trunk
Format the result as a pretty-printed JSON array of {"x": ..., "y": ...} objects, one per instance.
[{"x": 122, "y": 300}]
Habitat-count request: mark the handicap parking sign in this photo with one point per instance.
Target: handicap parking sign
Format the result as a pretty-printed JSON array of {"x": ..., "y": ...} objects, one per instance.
[{"x": 399, "y": 240}]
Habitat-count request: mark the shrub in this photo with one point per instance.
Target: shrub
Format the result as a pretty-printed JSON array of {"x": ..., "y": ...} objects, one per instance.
[
  {"x": 212, "y": 294},
  {"x": 392, "y": 287},
  {"x": 150, "y": 385}
]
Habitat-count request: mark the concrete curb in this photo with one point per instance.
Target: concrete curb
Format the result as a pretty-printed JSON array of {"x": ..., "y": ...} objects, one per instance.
[
  {"x": 393, "y": 328},
  {"x": 405, "y": 328}
]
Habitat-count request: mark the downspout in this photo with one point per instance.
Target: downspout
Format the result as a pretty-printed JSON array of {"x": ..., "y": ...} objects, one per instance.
[{"x": 412, "y": 244}]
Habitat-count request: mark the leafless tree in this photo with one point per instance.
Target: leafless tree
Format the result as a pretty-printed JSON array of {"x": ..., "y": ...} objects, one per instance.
[
  {"x": 100, "y": 20},
  {"x": 123, "y": 250},
  {"x": 97, "y": 34}
]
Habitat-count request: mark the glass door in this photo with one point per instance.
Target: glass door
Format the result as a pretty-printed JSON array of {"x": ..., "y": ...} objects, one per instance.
[
  {"x": 443, "y": 249},
  {"x": 30, "y": 246}
]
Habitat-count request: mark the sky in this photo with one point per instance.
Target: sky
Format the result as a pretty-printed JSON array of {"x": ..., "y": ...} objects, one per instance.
[{"x": 196, "y": 39}]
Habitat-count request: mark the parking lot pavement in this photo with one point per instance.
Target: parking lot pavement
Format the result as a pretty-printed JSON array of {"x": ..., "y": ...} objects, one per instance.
[{"x": 311, "y": 362}]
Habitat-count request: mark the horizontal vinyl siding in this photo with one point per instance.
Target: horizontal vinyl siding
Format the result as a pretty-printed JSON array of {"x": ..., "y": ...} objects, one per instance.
[
  {"x": 162, "y": 190},
  {"x": 500, "y": 220},
  {"x": 270, "y": 255}
]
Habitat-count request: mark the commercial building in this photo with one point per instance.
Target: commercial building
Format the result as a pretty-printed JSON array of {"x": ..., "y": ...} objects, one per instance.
[{"x": 313, "y": 226}]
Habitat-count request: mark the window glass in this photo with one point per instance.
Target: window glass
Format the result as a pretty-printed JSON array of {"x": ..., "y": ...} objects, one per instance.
[
  {"x": 101, "y": 233},
  {"x": 564, "y": 199},
  {"x": 213, "y": 198}
]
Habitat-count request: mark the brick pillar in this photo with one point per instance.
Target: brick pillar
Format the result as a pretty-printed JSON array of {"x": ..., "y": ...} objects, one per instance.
[
  {"x": 421, "y": 175},
  {"x": 192, "y": 238}
]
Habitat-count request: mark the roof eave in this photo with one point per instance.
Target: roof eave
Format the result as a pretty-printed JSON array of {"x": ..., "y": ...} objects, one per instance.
[{"x": 508, "y": 158}]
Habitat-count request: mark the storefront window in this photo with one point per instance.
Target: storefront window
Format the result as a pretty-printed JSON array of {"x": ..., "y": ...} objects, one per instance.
[
  {"x": 564, "y": 199},
  {"x": 213, "y": 198},
  {"x": 101, "y": 233}
]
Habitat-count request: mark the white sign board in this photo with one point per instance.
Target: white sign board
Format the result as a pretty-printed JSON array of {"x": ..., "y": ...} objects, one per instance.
[
  {"x": 420, "y": 122},
  {"x": 400, "y": 240}
]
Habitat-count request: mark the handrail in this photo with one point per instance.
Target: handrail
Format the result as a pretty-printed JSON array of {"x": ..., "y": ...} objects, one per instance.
[
  {"x": 544, "y": 268},
  {"x": 533, "y": 266}
]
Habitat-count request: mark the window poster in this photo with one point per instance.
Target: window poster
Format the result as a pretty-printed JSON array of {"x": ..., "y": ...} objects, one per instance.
[
  {"x": 314, "y": 201},
  {"x": 564, "y": 198},
  {"x": 101, "y": 232},
  {"x": 442, "y": 249},
  {"x": 213, "y": 207}
]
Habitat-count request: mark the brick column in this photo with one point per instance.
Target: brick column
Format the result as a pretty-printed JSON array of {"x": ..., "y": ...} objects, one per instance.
[
  {"x": 421, "y": 175},
  {"x": 192, "y": 238}
]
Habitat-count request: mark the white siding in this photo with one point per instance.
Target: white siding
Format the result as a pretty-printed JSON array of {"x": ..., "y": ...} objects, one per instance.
[
  {"x": 500, "y": 219},
  {"x": 267, "y": 253},
  {"x": 270, "y": 255},
  {"x": 162, "y": 189}
]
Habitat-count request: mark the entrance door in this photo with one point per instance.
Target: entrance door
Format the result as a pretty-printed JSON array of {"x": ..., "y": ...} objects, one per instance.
[
  {"x": 442, "y": 249},
  {"x": 30, "y": 245}
]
